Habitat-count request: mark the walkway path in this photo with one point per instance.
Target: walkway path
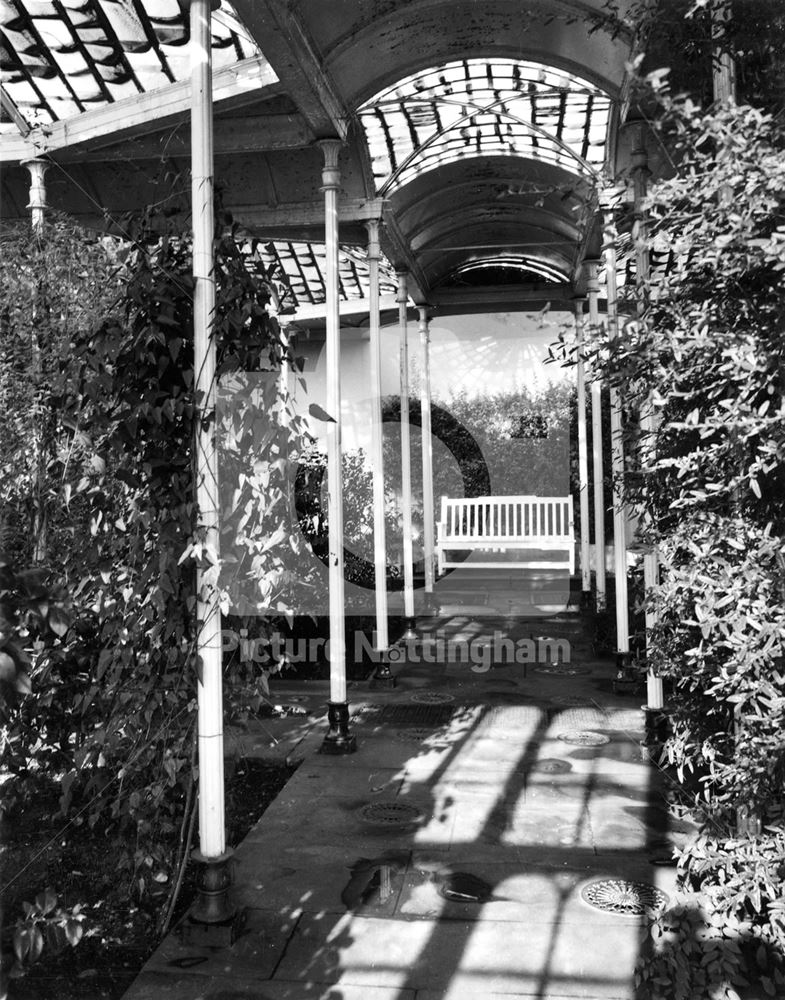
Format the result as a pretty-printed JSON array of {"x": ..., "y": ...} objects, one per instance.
[{"x": 477, "y": 769}]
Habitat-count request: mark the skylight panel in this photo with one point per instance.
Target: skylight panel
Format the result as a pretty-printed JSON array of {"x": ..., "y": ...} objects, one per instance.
[{"x": 503, "y": 107}]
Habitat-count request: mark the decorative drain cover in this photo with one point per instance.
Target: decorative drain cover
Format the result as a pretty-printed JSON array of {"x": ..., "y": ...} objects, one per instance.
[
  {"x": 615, "y": 895},
  {"x": 563, "y": 669},
  {"x": 463, "y": 887},
  {"x": 407, "y": 715},
  {"x": 417, "y": 734},
  {"x": 571, "y": 700},
  {"x": 552, "y": 765},
  {"x": 390, "y": 814},
  {"x": 584, "y": 738},
  {"x": 432, "y": 698}
]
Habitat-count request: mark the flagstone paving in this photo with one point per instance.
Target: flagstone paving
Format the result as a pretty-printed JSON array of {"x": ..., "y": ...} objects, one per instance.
[{"x": 508, "y": 814}]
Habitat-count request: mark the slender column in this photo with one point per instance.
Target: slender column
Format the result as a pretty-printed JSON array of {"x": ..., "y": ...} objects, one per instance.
[
  {"x": 724, "y": 65},
  {"x": 338, "y": 738},
  {"x": 617, "y": 458},
  {"x": 427, "y": 451},
  {"x": 598, "y": 474},
  {"x": 654, "y": 691},
  {"x": 381, "y": 637},
  {"x": 210, "y": 695},
  {"x": 37, "y": 204},
  {"x": 406, "y": 455},
  {"x": 37, "y": 168},
  {"x": 212, "y": 910},
  {"x": 583, "y": 456}
]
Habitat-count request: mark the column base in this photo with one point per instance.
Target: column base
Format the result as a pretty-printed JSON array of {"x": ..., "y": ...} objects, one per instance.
[
  {"x": 410, "y": 635},
  {"x": 338, "y": 739},
  {"x": 213, "y": 920},
  {"x": 383, "y": 677},
  {"x": 625, "y": 681},
  {"x": 656, "y": 726}
]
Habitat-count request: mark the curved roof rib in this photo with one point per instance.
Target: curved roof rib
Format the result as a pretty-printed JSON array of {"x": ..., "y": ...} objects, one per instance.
[{"x": 479, "y": 107}]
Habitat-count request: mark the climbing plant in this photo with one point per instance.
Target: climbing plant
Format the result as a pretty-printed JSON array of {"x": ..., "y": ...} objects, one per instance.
[
  {"x": 112, "y": 696},
  {"x": 709, "y": 350}
]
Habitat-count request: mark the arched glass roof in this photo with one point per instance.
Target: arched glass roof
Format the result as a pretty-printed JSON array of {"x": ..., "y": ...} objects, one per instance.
[
  {"x": 504, "y": 269},
  {"x": 479, "y": 107},
  {"x": 60, "y": 59}
]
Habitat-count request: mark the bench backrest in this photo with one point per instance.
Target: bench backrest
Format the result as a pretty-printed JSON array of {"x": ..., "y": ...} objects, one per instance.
[{"x": 507, "y": 517}]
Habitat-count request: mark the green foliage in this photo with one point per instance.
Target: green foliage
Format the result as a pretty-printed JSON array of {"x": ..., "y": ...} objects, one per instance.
[
  {"x": 727, "y": 929},
  {"x": 709, "y": 350},
  {"x": 45, "y": 927},
  {"x": 113, "y": 701}
]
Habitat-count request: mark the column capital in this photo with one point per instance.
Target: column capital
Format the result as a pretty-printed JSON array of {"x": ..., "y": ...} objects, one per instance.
[
  {"x": 37, "y": 167},
  {"x": 402, "y": 296},
  {"x": 592, "y": 271},
  {"x": 374, "y": 249},
  {"x": 331, "y": 172}
]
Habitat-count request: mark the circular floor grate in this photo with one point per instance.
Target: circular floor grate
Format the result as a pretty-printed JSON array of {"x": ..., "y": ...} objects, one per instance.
[
  {"x": 432, "y": 698},
  {"x": 552, "y": 765},
  {"x": 584, "y": 738},
  {"x": 416, "y": 734},
  {"x": 616, "y": 895},
  {"x": 563, "y": 669},
  {"x": 390, "y": 814}
]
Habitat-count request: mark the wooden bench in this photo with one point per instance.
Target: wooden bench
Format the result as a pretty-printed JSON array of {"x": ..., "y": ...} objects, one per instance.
[{"x": 507, "y": 524}]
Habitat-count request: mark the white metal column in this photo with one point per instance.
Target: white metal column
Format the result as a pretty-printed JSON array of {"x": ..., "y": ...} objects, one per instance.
[
  {"x": 427, "y": 452},
  {"x": 212, "y": 842},
  {"x": 617, "y": 454},
  {"x": 583, "y": 456},
  {"x": 338, "y": 739},
  {"x": 406, "y": 452},
  {"x": 598, "y": 473},
  {"x": 37, "y": 168},
  {"x": 381, "y": 641},
  {"x": 654, "y": 690}
]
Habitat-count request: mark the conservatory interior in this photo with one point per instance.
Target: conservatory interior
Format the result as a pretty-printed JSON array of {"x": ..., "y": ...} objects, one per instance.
[{"x": 405, "y": 177}]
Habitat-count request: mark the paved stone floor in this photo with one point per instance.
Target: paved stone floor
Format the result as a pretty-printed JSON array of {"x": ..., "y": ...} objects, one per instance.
[{"x": 493, "y": 818}]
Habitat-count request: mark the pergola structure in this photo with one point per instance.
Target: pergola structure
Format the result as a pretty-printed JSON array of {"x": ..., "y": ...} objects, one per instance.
[{"x": 471, "y": 152}]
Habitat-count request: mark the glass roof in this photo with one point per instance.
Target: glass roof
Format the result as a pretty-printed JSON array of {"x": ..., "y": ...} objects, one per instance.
[
  {"x": 64, "y": 57},
  {"x": 298, "y": 269},
  {"x": 504, "y": 269},
  {"x": 477, "y": 107}
]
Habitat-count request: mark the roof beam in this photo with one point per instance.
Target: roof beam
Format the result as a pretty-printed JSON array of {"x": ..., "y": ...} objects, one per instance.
[
  {"x": 246, "y": 134},
  {"x": 283, "y": 39},
  {"x": 303, "y": 215},
  {"x": 347, "y": 308},
  {"x": 398, "y": 251},
  {"x": 237, "y": 85}
]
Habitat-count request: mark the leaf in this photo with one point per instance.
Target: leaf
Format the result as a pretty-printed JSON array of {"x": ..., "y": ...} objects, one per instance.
[
  {"x": 46, "y": 901},
  {"x": 319, "y": 414},
  {"x": 58, "y": 621},
  {"x": 7, "y": 668},
  {"x": 74, "y": 929},
  {"x": 22, "y": 942}
]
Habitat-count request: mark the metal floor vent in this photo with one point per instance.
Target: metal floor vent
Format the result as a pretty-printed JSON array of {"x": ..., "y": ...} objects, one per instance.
[
  {"x": 562, "y": 669},
  {"x": 432, "y": 698},
  {"x": 390, "y": 814},
  {"x": 408, "y": 715},
  {"x": 616, "y": 895},
  {"x": 584, "y": 738},
  {"x": 552, "y": 765}
]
